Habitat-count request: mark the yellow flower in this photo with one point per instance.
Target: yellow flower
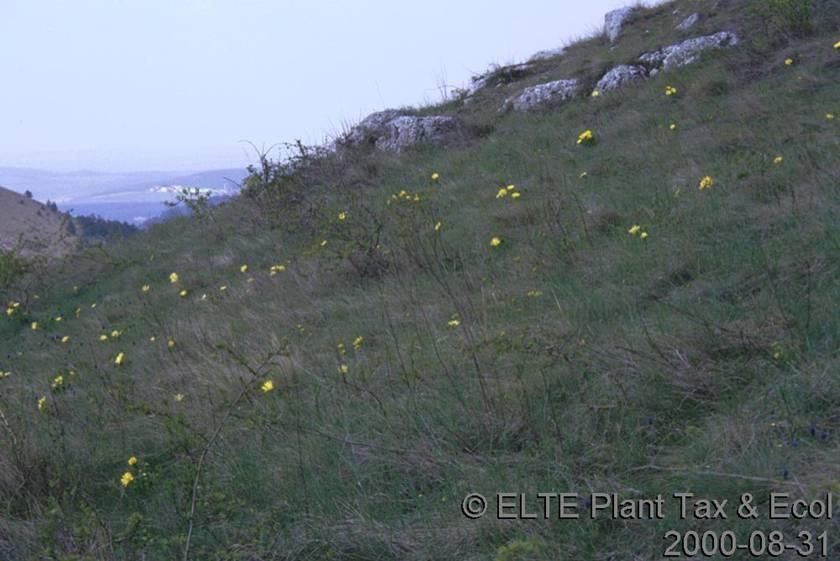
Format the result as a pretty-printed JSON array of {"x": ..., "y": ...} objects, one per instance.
[
  {"x": 59, "y": 319},
  {"x": 146, "y": 288},
  {"x": 596, "y": 93},
  {"x": 454, "y": 321},
  {"x": 120, "y": 358},
  {"x": 673, "y": 126},
  {"x": 179, "y": 397},
  {"x": 57, "y": 382},
  {"x": 152, "y": 339},
  {"x": 42, "y": 402},
  {"x": 515, "y": 195},
  {"x": 634, "y": 230},
  {"x": 116, "y": 334},
  {"x": 267, "y": 386},
  {"x": 670, "y": 90},
  {"x": 344, "y": 369},
  {"x": 829, "y": 116},
  {"x": 583, "y": 175},
  {"x": 341, "y": 349},
  {"x": 706, "y": 183},
  {"x": 243, "y": 269},
  {"x": 585, "y": 137},
  {"x": 5, "y": 374},
  {"x": 778, "y": 160},
  {"x": 170, "y": 343},
  {"x": 438, "y": 226},
  {"x": 132, "y": 461},
  {"x": 788, "y": 61},
  {"x": 357, "y": 342},
  {"x": 103, "y": 337},
  {"x": 183, "y": 293},
  {"x": 35, "y": 326},
  {"x": 323, "y": 243},
  {"x": 342, "y": 216},
  {"x": 643, "y": 235},
  {"x": 837, "y": 45},
  {"x": 535, "y": 293},
  {"x": 65, "y": 339},
  {"x": 277, "y": 269},
  {"x": 173, "y": 278},
  {"x": 78, "y": 312},
  {"x": 502, "y": 193},
  {"x": 93, "y": 305},
  {"x": 126, "y": 479},
  {"x": 435, "y": 176},
  {"x": 496, "y": 242},
  {"x": 223, "y": 288}
]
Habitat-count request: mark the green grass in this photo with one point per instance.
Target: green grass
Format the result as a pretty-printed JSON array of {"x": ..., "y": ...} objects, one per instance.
[{"x": 701, "y": 359}]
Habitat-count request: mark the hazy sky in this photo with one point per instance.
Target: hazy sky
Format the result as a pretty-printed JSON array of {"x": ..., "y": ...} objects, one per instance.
[{"x": 177, "y": 84}]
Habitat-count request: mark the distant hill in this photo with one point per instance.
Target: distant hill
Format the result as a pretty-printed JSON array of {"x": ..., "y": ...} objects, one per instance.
[{"x": 33, "y": 228}]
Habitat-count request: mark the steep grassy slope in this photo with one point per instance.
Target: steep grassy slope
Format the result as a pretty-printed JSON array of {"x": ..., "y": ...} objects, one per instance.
[
  {"x": 329, "y": 379},
  {"x": 29, "y": 227}
]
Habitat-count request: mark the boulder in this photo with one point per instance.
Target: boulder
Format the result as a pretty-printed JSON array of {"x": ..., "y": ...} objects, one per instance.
[
  {"x": 498, "y": 76},
  {"x": 547, "y": 54},
  {"x": 543, "y": 95},
  {"x": 392, "y": 131},
  {"x": 688, "y": 51},
  {"x": 689, "y": 22},
  {"x": 614, "y": 20},
  {"x": 619, "y": 76}
]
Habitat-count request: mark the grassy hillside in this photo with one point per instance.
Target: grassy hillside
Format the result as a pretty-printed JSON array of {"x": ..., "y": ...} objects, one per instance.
[
  {"x": 325, "y": 367},
  {"x": 31, "y": 228}
]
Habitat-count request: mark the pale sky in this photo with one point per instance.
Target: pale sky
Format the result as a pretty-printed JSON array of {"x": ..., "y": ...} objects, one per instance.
[{"x": 177, "y": 84}]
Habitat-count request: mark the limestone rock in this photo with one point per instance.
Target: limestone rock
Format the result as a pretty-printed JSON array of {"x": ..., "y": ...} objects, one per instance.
[
  {"x": 543, "y": 95},
  {"x": 614, "y": 20},
  {"x": 392, "y": 131},
  {"x": 688, "y": 51},
  {"x": 689, "y": 22},
  {"x": 547, "y": 54},
  {"x": 619, "y": 76}
]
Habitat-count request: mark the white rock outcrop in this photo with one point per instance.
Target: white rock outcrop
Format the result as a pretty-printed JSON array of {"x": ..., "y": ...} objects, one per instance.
[
  {"x": 543, "y": 95},
  {"x": 614, "y": 21},
  {"x": 619, "y": 76},
  {"x": 392, "y": 131},
  {"x": 547, "y": 54},
  {"x": 688, "y": 51},
  {"x": 689, "y": 22}
]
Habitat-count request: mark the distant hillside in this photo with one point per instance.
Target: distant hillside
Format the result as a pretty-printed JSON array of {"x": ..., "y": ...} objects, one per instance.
[{"x": 33, "y": 228}]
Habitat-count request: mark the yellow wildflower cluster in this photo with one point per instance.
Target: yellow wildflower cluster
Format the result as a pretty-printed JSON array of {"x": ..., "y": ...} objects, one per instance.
[
  {"x": 42, "y": 403},
  {"x": 146, "y": 289},
  {"x": 267, "y": 386},
  {"x": 535, "y": 293},
  {"x": 454, "y": 320},
  {"x": 357, "y": 342},
  {"x": 57, "y": 382},
  {"x": 596, "y": 93},
  {"x": 706, "y": 183},
  {"x": 435, "y": 176},
  {"x": 670, "y": 90},
  {"x": 495, "y": 241},
  {"x": 829, "y": 116},
  {"x": 404, "y": 195},
  {"x": 788, "y": 61},
  {"x": 275, "y": 269},
  {"x": 126, "y": 479},
  {"x": 342, "y": 216},
  {"x": 509, "y": 190},
  {"x": 243, "y": 269},
  {"x": 637, "y": 230},
  {"x": 5, "y": 374},
  {"x": 12, "y": 308},
  {"x": 119, "y": 359},
  {"x": 778, "y": 160},
  {"x": 586, "y": 137}
]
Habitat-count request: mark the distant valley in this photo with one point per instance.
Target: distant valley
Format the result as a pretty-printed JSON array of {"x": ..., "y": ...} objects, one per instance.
[{"x": 134, "y": 197}]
